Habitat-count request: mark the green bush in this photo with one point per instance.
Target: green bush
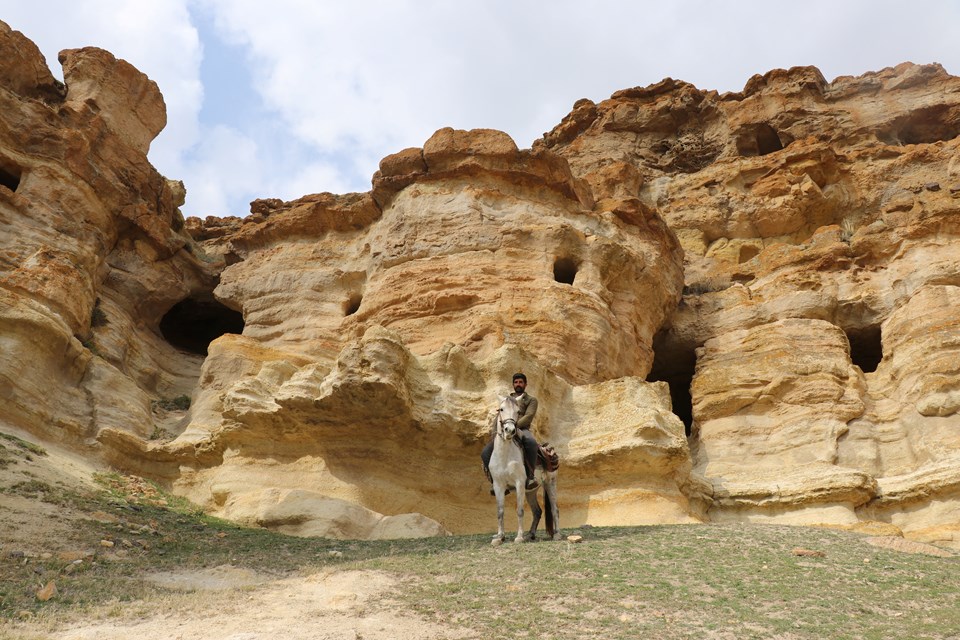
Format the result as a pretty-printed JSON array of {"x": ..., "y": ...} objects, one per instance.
[
  {"x": 97, "y": 317},
  {"x": 180, "y": 403}
]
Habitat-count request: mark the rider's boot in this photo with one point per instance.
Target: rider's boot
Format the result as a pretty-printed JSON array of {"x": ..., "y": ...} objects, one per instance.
[{"x": 531, "y": 477}]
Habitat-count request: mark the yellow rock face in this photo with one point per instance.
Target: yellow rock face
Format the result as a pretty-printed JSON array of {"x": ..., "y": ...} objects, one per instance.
[
  {"x": 817, "y": 330},
  {"x": 730, "y": 307},
  {"x": 373, "y": 351}
]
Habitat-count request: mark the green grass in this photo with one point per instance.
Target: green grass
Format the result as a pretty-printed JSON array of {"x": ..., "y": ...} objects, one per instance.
[
  {"x": 180, "y": 403},
  {"x": 23, "y": 445},
  {"x": 730, "y": 581},
  {"x": 685, "y": 581}
]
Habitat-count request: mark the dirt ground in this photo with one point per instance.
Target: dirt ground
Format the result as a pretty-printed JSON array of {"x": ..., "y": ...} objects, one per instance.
[
  {"x": 221, "y": 603},
  {"x": 227, "y": 604}
]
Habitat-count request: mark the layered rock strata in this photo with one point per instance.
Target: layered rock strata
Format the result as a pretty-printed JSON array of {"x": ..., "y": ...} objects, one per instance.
[
  {"x": 92, "y": 251},
  {"x": 731, "y": 307},
  {"x": 379, "y": 328},
  {"x": 819, "y": 222}
]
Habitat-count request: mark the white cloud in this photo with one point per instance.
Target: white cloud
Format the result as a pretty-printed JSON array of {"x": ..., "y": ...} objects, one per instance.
[
  {"x": 373, "y": 76},
  {"x": 343, "y": 84},
  {"x": 307, "y": 179},
  {"x": 156, "y": 37},
  {"x": 224, "y": 166}
]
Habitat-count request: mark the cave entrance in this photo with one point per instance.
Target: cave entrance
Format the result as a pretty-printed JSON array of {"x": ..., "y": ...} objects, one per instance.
[
  {"x": 923, "y": 126},
  {"x": 565, "y": 270},
  {"x": 758, "y": 140},
  {"x": 352, "y": 305},
  {"x": 10, "y": 176},
  {"x": 866, "y": 347},
  {"x": 675, "y": 364},
  {"x": 192, "y": 324}
]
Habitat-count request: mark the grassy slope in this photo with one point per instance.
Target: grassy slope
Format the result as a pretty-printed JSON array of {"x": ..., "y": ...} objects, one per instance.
[{"x": 665, "y": 582}]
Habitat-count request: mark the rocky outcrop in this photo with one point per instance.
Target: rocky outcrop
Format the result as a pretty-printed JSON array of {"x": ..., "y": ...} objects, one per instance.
[
  {"x": 379, "y": 328},
  {"x": 819, "y": 225},
  {"x": 731, "y": 307},
  {"x": 90, "y": 252}
]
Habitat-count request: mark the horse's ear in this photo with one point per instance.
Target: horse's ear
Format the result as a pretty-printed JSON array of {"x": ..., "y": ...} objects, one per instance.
[{"x": 500, "y": 398}]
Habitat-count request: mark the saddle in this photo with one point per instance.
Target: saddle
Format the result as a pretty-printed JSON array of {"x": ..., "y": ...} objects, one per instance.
[{"x": 548, "y": 457}]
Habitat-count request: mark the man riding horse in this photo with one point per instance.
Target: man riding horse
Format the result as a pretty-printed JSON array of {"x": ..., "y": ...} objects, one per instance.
[{"x": 528, "y": 409}]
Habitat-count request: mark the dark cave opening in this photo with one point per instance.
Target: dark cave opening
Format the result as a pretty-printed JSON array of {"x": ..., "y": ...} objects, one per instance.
[
  {"x": 192, "y": 324},
  {"x": 10, "y": 177},
  {"x": 352, "y": 305},
  {"x": 866, "y": 348},
  {"x": 767, "y": 140},
  {"x": 564, "y": 270},
  {"x": 923, "y": 126},
  {"x": 758, "y": 140},
  {"x": 675, "y": 364}
]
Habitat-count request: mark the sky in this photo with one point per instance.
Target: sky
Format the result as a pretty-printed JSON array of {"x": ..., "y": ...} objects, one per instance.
[{"x": 285, "y": 98}]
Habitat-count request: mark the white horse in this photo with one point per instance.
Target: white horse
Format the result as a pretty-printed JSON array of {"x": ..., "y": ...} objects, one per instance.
[{"x": 508, "y": 472}]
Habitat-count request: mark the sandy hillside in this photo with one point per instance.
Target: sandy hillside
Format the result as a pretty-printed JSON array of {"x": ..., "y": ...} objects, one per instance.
[{"x": 220, "y": 603}]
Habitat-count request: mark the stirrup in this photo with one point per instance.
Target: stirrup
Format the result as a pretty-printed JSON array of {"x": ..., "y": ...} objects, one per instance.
[{"x": 532, "y": 483}]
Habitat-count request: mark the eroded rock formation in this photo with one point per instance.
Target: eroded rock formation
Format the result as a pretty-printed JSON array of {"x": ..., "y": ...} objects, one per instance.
[
  {"x": 378, "y": 334},
  {"x": 819, "y": 224},
  {"x": 92, "y": 251},
  {"x": 731, "y": 307}
]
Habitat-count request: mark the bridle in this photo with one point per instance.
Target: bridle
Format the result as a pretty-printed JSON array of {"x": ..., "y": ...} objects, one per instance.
[{"x": 501, "y": 423}]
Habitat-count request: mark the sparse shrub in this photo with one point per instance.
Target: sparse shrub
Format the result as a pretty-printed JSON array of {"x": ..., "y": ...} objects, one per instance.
[
  {"x": 707, "y": 285},
  {"x": 159, "y": 434},
  {"x": 97, "y": 317},
  {"x": 91, "y": 346},
  {"x": 180, "y": 403},
  {"x": 23, "y": 444}
]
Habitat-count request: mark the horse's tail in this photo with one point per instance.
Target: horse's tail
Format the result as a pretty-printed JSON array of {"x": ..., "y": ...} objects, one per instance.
[
  {"x": 548, "y": 508},
  {"x": 549, "y": 461}
]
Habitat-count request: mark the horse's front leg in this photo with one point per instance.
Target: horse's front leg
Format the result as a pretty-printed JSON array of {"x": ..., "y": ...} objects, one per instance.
[
  {"x": 499, "y": 491},
  {"x": 521, "y": 486}
]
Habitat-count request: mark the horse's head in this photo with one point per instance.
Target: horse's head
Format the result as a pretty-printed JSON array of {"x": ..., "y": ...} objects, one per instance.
[{"x": 507, "y": 415}]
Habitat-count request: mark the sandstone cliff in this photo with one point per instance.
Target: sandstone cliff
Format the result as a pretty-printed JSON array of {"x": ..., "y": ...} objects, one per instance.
[
  {"x": 731, "y": 307},
  {"x": 819, "y": 224}
]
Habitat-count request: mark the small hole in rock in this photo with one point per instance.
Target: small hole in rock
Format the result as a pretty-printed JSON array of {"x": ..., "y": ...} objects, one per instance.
[
  {"x": 866, "y": 348},
  {"x": 564, "y": 270},
  {"x": 923, "y": 126},
  {"x": 10, "y": 177},
  {"x": 758, "y": 140},
  {"x": 351, "y": 306}
]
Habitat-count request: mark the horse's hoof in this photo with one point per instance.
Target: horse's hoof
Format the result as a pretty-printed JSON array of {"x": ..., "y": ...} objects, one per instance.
[
  {"x": 496, "y": 541},
  {"x": 519, "y": 539},
  {"x": 557, "y": 536}
]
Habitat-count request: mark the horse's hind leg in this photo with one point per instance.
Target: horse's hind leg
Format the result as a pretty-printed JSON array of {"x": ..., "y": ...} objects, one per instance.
[{"x": 536, "y": 511}]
